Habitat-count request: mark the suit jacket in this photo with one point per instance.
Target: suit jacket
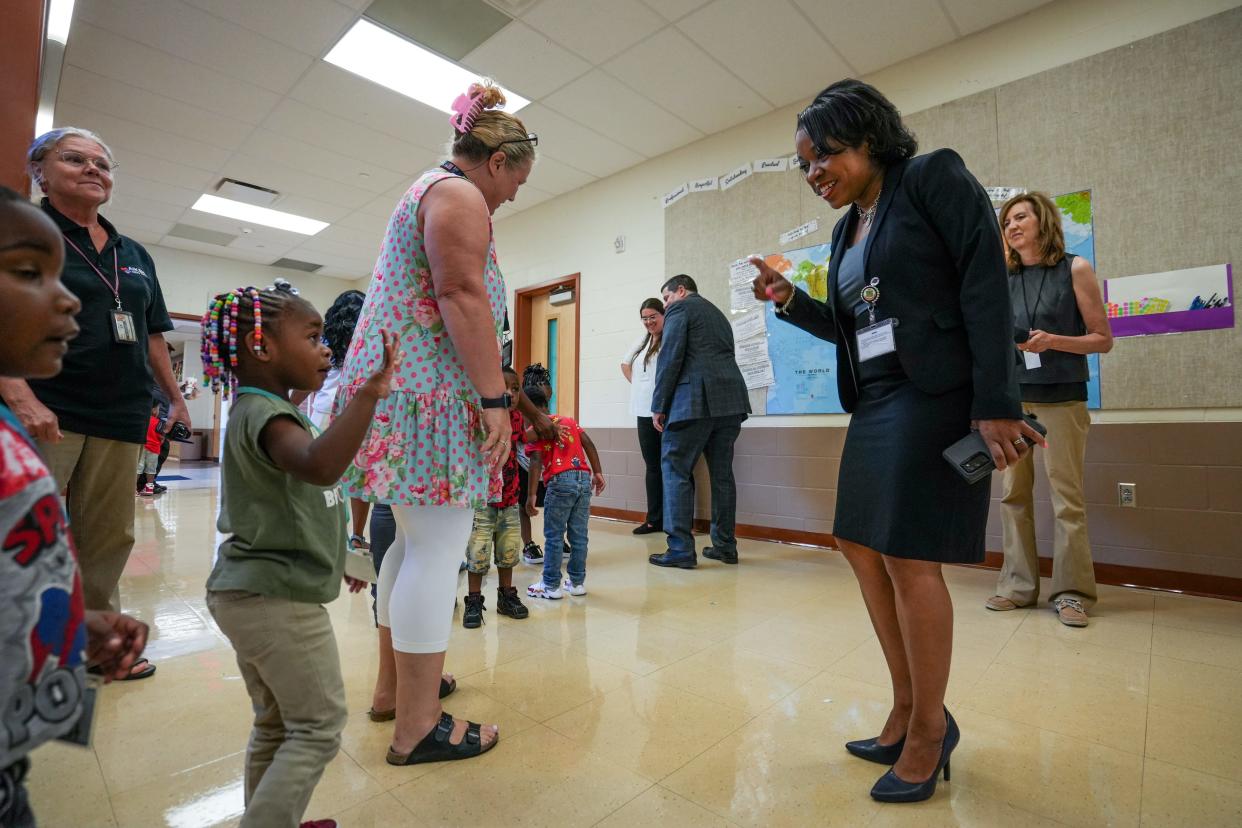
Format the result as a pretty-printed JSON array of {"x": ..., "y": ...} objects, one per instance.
[
  {"x": 697, "y": 376},
  {"x": 935, "y": 246}
]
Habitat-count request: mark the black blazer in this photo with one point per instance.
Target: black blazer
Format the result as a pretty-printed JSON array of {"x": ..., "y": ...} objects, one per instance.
[
  {"x": 935, "y": 245},
  {"x": 697, "y": 374}
]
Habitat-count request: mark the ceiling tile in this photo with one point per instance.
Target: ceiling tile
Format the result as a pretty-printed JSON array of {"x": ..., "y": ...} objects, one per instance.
[
  {"x": 974, "y": 15},
  {"x": 596, "y": 29},
  {"x": 360, "y": 222},
  {"x": 554, "y": 177},
  {"x": 349, "y": 96},
  {"x": 529, "y": 196},
  {"x": 568, "y": 141},
  {"x": 520, "y": 58},
  {"x": 749, "y": 32},
  {"x": 310, "y": 26},
  {"x": 127, "y": 222},
  {"x": 351, "y": 139},
  {"x": 201, "y": 38},
  {"x": 348, "y": 170},
  {"x": 863, "y": 31},
  {"x": 675, "y": 9},
  {"x": 329, "y": 199},
  {"x": 451, "y": 28},
  {"x": 615, "y": 110},
  {"x": 115, "y": 57},
  {"x": 135, "y": 187},
  {"x": 130, "y": 203},
  {"x": 122, "y": 134},
  {"x": 673, "y": 72},
  {"x": 165, "y": 172},
  {"x": 240, "y": 254},
  {"x": 180, "y": 117}
]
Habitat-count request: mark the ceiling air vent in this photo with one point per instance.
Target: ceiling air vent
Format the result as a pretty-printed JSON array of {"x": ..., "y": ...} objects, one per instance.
[
  {"x": 295, "y": 264},
  {"x": 247, "y": 193},
  {"x": 513, "y": 8},
  {"x": 199, "y": 234}
]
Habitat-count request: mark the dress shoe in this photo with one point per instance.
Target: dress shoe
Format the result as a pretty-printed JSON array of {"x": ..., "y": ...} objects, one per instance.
[
  {"x": 873, "y": 751},
  {"x": 671, "y": 558},
  {"x": 892, "y": 788},
  {"x": 646, "y": 529},
  {"x": 715, "y": 555}
]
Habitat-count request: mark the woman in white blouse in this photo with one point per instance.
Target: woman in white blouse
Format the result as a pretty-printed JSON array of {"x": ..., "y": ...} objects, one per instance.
[{"x": 639, "y": 367}]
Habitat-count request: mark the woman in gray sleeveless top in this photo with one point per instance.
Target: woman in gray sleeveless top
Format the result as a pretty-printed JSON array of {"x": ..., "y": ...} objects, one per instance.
[{"x": 1059, "y": 318}]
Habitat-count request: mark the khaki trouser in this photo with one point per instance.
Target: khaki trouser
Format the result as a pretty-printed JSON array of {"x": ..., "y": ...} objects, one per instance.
[
  {"x": 99, "y": 475},
  {"x": 288, "y": 658},
  {"x": 1072, "y": 570}
]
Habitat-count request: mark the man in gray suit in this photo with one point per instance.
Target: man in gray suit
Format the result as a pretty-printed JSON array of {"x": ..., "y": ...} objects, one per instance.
[{"x": 699, "y": 404}]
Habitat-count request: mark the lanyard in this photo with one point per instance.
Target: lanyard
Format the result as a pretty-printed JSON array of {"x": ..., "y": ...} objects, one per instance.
[
  {"x": 1030, "y": 319},
  {"x": 115, "y": 285}
]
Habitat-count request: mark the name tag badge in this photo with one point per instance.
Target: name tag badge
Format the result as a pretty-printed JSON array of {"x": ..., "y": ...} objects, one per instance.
[
  {"x": 123, "y": 330},
  {"x": 877, "y": 340},
  {"x": 1032, "y": 359}
]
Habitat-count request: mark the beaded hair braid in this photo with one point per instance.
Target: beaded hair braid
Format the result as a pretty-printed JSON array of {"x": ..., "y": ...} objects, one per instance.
[
  {"x": 536, "y": 374},
  {"x": 225, "y": 323}
]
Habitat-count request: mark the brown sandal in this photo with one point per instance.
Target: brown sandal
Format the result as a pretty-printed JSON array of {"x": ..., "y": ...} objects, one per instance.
[{"x": 446, "y": 689}]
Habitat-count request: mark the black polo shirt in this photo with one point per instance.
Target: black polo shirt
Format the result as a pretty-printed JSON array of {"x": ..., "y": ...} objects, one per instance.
[{"x": 105, "y": 388}]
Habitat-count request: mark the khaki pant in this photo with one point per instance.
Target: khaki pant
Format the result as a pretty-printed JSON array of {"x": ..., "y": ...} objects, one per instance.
[
  {"x": 1072, "y": 570},
  {"x": 287, "y": 654},
  {"x": 99, "y": 475}
]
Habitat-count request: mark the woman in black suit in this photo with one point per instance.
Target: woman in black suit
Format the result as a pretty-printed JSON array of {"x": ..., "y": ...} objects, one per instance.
[{"x": 924, "y": 335}]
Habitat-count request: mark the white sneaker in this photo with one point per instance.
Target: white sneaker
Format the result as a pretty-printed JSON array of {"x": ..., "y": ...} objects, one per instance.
[
  {"x": 569, "y": 586},
  {"x": 539, "y": 590}
]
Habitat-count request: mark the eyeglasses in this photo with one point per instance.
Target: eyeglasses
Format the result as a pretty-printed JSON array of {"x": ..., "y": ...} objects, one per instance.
[
  {"x": 530, "y": 136},
  {"x": 649, "y": 319},
  {"x": 77, "y": 159}
]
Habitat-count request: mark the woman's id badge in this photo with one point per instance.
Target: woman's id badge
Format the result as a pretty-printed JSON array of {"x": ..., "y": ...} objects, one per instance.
[
  {"x": 123, "y": 330},
  {"x": 877, "y": 340},
  {"x": 1031, "y": 359}
]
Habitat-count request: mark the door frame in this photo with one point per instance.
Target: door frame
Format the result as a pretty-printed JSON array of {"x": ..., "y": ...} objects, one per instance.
[{"x": 523, "y": 301}]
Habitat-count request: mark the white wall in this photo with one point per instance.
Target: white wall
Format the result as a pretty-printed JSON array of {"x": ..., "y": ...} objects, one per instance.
[
  {"x": 189, "y": 280},
  {"x": 574, "y": 232}
]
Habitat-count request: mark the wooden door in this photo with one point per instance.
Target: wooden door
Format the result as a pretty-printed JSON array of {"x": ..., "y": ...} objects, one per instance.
[{"x": 554, "y": 342}]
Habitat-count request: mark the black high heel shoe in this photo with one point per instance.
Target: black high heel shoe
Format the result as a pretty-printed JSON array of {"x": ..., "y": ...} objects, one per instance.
[
  {"x": 873, "y": 751},
  {"x": 892, "y": 788}
]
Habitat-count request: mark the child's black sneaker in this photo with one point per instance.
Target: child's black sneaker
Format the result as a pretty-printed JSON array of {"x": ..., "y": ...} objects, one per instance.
[
  {"x": 532, "y": 554},
  {"x": 472, "y": 613},
  {"x": 508, "y": 603}
]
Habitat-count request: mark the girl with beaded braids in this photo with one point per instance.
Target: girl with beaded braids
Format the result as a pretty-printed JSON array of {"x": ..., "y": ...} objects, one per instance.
[{"x": 283, "y": 519}]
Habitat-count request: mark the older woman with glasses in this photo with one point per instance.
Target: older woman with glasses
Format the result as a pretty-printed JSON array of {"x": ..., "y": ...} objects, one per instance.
[{"x": 91, "y": 420}]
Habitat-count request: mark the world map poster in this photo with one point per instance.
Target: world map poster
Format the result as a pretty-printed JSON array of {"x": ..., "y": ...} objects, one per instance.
[{"x": 804, "y": 367}]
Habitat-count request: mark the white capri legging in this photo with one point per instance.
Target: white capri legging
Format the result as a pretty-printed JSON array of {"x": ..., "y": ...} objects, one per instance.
[{"x": 418, "y": 578}]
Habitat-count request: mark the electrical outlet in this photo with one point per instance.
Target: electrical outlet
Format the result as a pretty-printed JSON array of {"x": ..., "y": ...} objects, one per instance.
[{"x": 1127, "y": 494}]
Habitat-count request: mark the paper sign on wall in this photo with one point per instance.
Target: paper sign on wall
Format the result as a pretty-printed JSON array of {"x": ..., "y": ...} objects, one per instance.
[
  {"x": 749, "y": 325},
  {"x": 1195, "y": 299},
  {"x": 772, "y": 165},
  {"x": 758, "y": 375},
  {"x": 741, "y": 295},
  {"x": 800, "y": 231},
  {"x": 1003, "y": 193},
  {"x": 729, "y": 179},
  {"x": 702, "y": 185},
  {"x": 751, "y": 351},
  {"x": 675, "y": 196}
]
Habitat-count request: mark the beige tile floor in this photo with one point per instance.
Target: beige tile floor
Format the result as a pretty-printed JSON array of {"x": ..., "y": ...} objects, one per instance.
[{"x": 714, "y": 697}]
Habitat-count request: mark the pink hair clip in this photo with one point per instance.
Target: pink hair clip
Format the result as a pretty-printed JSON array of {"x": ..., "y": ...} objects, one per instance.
[{"x": 465, "y": 109}]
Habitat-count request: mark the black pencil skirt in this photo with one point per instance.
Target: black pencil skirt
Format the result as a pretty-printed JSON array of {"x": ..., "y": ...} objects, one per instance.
[{"x": 896, "y": 494}]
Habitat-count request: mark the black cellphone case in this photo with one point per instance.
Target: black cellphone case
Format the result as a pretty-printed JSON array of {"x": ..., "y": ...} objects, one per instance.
[{"x": 970, "y": 457}]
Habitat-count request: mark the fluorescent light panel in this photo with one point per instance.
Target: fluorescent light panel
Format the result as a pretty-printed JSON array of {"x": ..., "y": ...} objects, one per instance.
[
  {"x": 258, "y": 215},
  {"x": 43, "y": 120},
  {"x": 403, "y": 66},
  {"x": 59, "y": 17}
]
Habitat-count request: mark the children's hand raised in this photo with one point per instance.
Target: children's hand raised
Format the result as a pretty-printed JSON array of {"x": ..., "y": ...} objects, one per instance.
[{"x": 380, "y": 383}]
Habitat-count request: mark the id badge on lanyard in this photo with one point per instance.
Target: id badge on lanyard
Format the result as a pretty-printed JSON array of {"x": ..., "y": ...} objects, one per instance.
[
  {"x": 121, "y": 321},
  {"x": 877, "y": 338}
]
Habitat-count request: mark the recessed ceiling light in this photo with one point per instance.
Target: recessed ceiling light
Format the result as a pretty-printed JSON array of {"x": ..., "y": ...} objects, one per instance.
[
  {"x": 59, "y": 18},
  {"x": 403, "y": 66},
  {"x": 258, "y": 215}
]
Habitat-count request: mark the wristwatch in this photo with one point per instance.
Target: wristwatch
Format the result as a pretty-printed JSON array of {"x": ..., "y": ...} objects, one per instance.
[{"x": 503, "y": 401}]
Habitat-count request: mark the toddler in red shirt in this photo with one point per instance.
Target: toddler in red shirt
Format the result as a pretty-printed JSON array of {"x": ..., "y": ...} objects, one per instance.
[{"x": 571, "y": 471}]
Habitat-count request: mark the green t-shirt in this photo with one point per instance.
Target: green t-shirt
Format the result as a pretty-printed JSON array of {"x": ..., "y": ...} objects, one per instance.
[{"x": 283, "y": 537}]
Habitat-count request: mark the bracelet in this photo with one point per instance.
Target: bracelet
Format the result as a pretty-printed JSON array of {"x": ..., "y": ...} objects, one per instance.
[{"x": 783, "y": 308}]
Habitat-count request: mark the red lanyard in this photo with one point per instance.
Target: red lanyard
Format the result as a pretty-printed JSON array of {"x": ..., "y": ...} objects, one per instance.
[{"x": 114, "y": 286}]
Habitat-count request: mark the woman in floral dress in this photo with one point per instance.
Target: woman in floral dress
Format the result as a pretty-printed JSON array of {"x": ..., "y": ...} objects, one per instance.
[{"x": 444, "y": 430}]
